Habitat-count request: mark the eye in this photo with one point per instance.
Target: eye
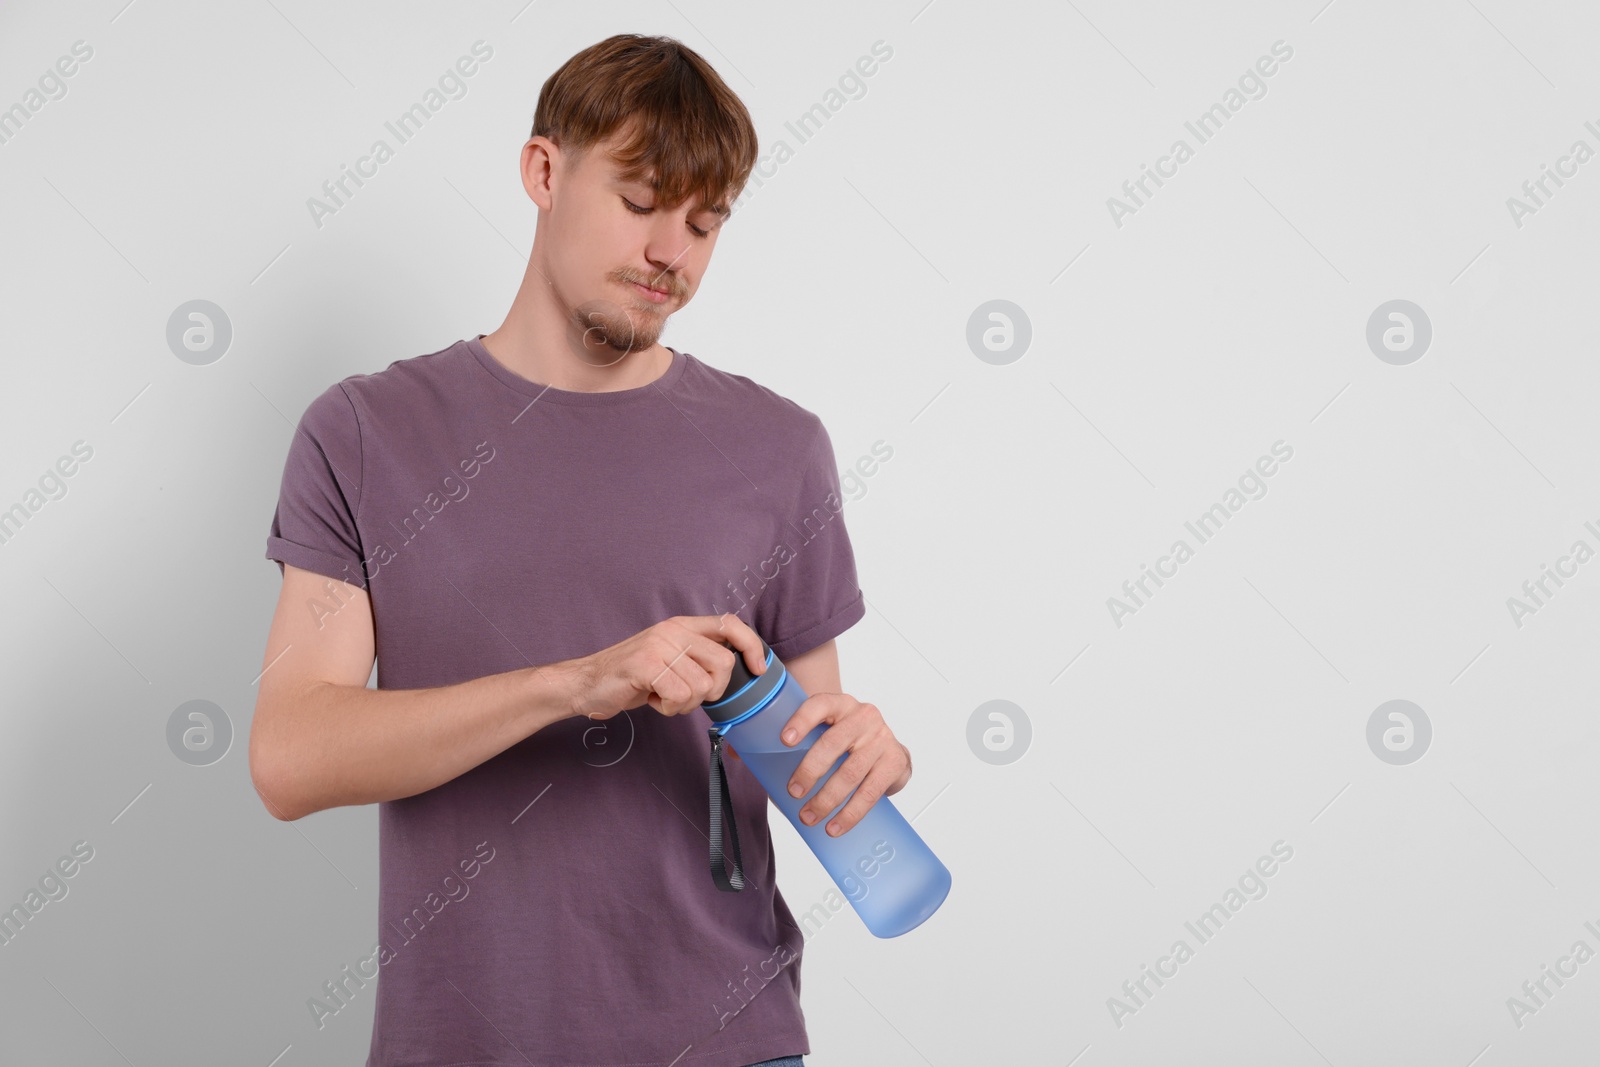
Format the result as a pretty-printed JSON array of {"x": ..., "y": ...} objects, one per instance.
[{"x": 637, "y": 210}]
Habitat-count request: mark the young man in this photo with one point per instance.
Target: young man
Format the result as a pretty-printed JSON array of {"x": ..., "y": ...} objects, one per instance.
[{"x": 549, "y": 537}]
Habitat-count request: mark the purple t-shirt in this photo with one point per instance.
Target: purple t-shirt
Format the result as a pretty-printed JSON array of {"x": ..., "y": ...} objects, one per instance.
[{"x": 554, "y": 904}]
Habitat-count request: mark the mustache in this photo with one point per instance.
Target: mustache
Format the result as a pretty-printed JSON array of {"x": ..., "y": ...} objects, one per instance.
[{"x": 669, "y": 284}]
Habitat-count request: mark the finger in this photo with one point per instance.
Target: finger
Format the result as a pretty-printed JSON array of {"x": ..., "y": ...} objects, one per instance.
[
  {"x": 729, "y": 629},
  {"x": 669, "y": 651},
  {"x": 717, "y": 660},
  {"x": 818, "y": 707},
  {"x": 670, "y": 689},
  {"x": 836, "y": 789},
  {"x": 843, "y": 735},
  {"x": 871, "y": 789},
  {"x": 696, "y": 683}
]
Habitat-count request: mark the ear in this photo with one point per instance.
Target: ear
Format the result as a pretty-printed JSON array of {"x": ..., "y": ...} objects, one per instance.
[{"x": 539, "y": 158}]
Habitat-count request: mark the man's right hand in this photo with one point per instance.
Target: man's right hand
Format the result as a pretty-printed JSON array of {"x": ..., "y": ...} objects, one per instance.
[{"x": 674, "y": 666}]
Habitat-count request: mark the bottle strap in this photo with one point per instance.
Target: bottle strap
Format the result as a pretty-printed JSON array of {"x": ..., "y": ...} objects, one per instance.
[{"x": 722, "y": 815}]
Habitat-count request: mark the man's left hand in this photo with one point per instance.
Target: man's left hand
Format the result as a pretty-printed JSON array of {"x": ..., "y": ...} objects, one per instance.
[{"x": 878, "y": 764}]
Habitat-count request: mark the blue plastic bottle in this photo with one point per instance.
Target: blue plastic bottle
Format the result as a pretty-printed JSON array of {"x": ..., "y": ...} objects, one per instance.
[{"x": 886, "y": 872}]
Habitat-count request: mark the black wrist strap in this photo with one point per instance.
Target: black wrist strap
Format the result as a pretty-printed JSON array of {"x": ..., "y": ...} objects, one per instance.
[{"x": 722, "y": 814}]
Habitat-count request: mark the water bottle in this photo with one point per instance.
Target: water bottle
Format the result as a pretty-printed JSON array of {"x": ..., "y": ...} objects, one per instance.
[{"x": 886, "y": 872}]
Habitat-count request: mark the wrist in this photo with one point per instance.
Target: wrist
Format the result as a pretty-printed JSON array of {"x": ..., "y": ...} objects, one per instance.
[{"x": 555, "y": 691}]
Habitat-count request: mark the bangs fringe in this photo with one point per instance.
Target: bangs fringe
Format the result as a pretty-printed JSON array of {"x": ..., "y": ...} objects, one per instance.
[{"x": 684, "y": 131}]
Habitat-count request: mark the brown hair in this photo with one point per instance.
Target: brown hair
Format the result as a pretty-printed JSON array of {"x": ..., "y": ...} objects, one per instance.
[{"x": 687, "y": 126}]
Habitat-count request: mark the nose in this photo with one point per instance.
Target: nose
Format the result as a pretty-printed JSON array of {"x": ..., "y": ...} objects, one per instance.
[
  {"x": 661, "y": 274},
  {"x": 666, "y": 252}
]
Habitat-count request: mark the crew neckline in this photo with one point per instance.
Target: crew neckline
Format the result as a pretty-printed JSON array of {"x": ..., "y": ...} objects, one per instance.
[{"x": 549, "y": 394}]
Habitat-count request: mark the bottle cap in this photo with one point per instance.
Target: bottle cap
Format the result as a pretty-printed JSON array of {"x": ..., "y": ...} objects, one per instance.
[{"x": 745, "y": 690}]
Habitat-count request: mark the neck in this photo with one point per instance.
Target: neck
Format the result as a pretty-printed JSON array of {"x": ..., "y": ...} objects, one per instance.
[{"x": 539, "y": 341}]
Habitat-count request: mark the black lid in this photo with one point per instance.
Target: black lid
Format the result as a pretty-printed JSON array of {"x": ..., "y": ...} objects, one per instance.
[{"x": 745, "y": 690}]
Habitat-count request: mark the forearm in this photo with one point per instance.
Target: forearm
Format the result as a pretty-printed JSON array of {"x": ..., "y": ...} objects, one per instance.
[{"x": 328, "y": 745}]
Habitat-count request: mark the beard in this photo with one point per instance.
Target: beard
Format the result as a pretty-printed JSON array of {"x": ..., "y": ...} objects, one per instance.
[{"x": 608, "y": 330}]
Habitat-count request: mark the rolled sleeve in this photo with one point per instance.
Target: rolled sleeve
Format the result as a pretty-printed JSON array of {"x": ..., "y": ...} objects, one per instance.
[{"x": 315, "y": 526}]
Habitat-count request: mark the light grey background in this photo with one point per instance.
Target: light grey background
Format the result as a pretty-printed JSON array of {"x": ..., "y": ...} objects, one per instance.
[{"x": 1167, "y": 354}]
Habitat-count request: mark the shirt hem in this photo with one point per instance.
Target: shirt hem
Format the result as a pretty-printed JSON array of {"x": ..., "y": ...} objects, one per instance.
[{"x": 719, "y": 1058}]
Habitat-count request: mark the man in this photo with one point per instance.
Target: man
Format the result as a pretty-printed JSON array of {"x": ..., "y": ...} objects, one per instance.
[{"x": 554, "y": 539}]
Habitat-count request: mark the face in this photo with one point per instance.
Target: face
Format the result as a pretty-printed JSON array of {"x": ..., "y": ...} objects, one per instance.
[{"x": 618, "y": 261}]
